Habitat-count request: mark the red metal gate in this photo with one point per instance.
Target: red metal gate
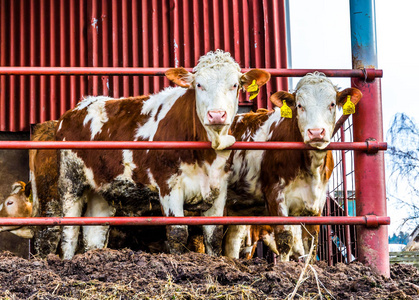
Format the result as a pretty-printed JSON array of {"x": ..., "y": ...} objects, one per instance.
[{"x": 137, "y": 39}]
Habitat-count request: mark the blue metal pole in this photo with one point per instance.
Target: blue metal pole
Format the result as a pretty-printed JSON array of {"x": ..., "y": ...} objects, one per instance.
[
  {"x": 363, "y": 34},
  {"x": 368, "y": 125}
]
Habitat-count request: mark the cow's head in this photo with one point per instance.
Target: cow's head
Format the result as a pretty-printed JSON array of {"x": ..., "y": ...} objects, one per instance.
[
  {"x": 17, "y": 205},
  {"x": 217, "y": 80},
  {"x": 314, "y": 105}
]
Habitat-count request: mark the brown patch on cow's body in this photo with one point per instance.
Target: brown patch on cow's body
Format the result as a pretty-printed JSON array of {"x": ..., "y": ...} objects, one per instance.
[
  {"x": 175, "y": 127},
  {"x": 44, "y": 166}
]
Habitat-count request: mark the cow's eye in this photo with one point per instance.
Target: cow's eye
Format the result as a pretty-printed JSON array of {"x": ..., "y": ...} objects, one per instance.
[
  {"x": 199, "y": 86},
  {"x": 332, "y": 104},
  {"x": 8, "y": 203},
  {"x": 299, "y": 106},
  {"x": 235, "y": 85}
]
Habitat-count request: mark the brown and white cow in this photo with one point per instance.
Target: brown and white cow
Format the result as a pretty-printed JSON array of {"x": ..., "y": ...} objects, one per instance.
[
  {"x": 17, "y": 205},
  {"x": 202, "y": 108},
  {"x": 290, "y": 182}
]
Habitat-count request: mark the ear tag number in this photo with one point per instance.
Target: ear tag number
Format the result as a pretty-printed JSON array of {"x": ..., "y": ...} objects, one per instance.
[
  {"x": 253, "y": 89},
  {"x": 286, "y": 111},
  {"x": 348, "y": 107}
]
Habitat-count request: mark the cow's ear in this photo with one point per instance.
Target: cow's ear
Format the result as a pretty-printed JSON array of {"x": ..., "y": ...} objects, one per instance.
[
  {"x": 278, "y": 98},
  {"x": 180, "y": 77},
  {"x": 341, "y": 97},
  {"x": 17, "y": 187},
  {"x": 28, "y": 189},
  {"x": 260, "y": 77}
]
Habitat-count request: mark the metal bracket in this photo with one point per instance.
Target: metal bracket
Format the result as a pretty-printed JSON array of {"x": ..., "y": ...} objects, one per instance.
[
  {"x": 371, "y": 221},
  {"x": 369, "y": 74},
  {"x": 372, "y": 146}
]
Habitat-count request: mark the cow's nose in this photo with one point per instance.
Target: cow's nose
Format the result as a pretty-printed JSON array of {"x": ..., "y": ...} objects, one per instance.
[
  {"x": 217, "y": 117},
  {"x": 316, "y": 133}
]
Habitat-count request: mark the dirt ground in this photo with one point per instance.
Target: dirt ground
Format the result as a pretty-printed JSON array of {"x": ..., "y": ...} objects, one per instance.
[{"x": 126, "y": 274}]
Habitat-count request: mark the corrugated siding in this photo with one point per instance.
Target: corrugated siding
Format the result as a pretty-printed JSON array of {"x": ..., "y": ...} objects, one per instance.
[{"x": 115, "y": 33}]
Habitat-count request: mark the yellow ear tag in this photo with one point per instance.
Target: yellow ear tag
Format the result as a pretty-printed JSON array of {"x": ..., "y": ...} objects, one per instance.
[
  {"x": 286, "y": 111},
  {"x": 348, "y": 107},
  {"x": 253, "y": 89}
]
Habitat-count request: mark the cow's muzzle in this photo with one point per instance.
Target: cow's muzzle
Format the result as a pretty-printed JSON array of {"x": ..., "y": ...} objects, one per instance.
[{"x": 217, "y": 117}]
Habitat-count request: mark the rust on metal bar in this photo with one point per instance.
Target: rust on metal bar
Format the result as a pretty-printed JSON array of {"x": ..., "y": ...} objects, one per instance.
[
  {"x": 123, "y": 221},
  {"x": 154, "y": 71},
  {"x": 360, "y": 146}
]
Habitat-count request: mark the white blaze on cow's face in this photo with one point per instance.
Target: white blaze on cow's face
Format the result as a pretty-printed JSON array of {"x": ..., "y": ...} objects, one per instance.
[
  {"x": 314, "y": 102},
  {"x": 217, "y": 81},
  {"x": 316, "y": 112}
]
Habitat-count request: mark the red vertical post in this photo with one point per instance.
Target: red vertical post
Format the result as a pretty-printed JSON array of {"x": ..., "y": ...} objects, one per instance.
[
  {"x": 155, "y": 34},
  {"x": 226, "y": 26},
  {"x": 63, "y": 55},
  {"x": 12, "y": 86},
  {"x": 115, "y": 44},
  {"x": 186, "y": 46},
  {"x": 166, "y": 42},
  {"x": 135, "y": 46},
  {"x": 94, "y": 23},
  {"x": 236, "y": 32},
  {"x": 196, "y": 31},
  {"x": 43, "y": 84},
  {"x": 54, "y": 114},
  {"x": 206, "y": 27},
  {"x": 83, "y": 53},
  {"x": 146, "y": 47},
  {"x": 368, "y": 124},
  {"x": 2, "y": 63},
  {"x": 73, "y": 86},
  {"x": 216, "y": 23},
  {"x": 105, "y": 45},
  {"x": 23, "y": 57},
  {"x": 125, "y": 57},
  {"x": 370, "y": 178},
  {"x": 246, "y": 35}
]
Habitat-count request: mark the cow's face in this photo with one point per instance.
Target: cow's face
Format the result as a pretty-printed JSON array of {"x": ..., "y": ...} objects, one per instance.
[
  {"x": 217, "y": 86},
  {"x": 314, "y": 105},
  {"x": 16, "y": 205}
]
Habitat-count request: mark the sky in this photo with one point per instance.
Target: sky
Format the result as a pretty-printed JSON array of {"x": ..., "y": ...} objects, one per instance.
[{"x": 321, "y": 38}]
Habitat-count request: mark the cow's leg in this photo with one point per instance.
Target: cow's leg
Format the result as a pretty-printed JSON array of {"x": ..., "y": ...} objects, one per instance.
[
  {"x": 213, "y": 234},
  {"x": 233, "y": 240},
  {"x": 284, "y": 235},
  {"x": 72, "y": 183},
  {"x": 96, "y": 237},
  {"x": 177, "y": 235},
  {"x": 70, "y": 234}
]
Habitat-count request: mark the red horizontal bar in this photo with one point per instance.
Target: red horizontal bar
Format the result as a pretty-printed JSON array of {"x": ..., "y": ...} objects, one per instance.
[
  {"x": 116, "y": 221},
  {"x": 361, "y": 146},
  {"x": 360, "y": 73}
]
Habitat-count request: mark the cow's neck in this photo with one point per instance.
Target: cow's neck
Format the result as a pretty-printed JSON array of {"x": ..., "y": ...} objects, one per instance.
[{"x": 182, "y": 124}]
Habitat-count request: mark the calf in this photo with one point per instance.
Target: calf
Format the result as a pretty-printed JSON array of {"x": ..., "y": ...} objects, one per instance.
[
  {"x": 17, "y": 205},
  {"x": 290, "y": 182},
  {"x": 200, "y": 109}
]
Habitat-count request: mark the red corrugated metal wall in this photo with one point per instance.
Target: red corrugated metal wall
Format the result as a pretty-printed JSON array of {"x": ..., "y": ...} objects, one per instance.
[{"x": 114, "y": 33}]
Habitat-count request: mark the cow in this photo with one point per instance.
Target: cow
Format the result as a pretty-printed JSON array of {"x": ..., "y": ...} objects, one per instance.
[
  {"x": 17, "y": 205},
  {"x": 288, "y": 182},
  {"x": 201, "y": 108}
]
